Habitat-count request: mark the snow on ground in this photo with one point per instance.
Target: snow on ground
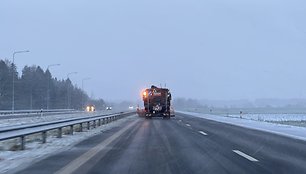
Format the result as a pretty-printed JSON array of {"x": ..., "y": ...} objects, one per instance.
[
  {"x": 281, "y": 129},
  {"x": 47, "y": 118},
  {"x": 10, "y": 160},
  {"x": 272, "y": 117}
]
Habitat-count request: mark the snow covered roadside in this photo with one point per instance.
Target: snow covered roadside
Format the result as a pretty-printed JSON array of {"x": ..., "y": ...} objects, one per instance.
[
  {"x": 47, "y": 118},
  {"x": 281, "y": 129},
  {"x": 272, "y": 117},
  {"x": 10, "y": 160}
]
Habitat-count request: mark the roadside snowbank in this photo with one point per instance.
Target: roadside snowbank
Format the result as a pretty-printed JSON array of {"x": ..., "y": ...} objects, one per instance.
[{"x": 285, "y": 130}]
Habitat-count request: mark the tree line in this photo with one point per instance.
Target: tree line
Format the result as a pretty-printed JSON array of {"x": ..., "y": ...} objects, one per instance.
[{"x": 37, "y": 89}]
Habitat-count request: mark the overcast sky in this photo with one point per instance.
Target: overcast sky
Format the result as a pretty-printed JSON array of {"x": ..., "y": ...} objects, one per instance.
[{"x": 204, "y": 49}]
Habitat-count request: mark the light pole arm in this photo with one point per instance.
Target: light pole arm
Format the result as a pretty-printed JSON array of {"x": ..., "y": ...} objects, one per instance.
[
  {"x": 17, "y": 52},
  {"x": 53, "y": 65},
  {"x": 71, "y": 74}
]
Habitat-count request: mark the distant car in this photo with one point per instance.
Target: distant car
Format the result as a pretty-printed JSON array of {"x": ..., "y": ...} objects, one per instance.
[
  {"x": 90, "y": 108},
  {"x": 131, "y": 107},
  {"x": 108, "y": 108}
]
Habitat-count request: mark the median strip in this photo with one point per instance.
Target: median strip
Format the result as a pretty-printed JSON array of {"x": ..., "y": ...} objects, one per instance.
[{"x": 245, "y": 156}]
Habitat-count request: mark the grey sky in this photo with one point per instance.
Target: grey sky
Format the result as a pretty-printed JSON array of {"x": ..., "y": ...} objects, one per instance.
[{"x": 214, "y": 49}]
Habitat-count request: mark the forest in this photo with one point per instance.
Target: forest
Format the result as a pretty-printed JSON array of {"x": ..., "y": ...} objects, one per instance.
[{"x": 35, "y": 88}]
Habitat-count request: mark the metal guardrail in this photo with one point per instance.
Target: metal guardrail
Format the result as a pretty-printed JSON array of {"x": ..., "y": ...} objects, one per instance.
[
  {"x": 20, "y": 127},
  {"x": 23, "y": 131},
  {"x": 6, "y": 112}
]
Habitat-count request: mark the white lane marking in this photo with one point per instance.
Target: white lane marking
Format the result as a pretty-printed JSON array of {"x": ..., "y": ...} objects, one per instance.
[
  {"x": 203, "y": 133},
  {"x": 245, "y": 156},
  {"x": 188, "y": 125},
  {"x": 77, "y": 163}
]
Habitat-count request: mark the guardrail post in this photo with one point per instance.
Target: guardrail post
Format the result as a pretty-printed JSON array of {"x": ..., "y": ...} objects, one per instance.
[
  {"x": 103, "y": 120},
  {"x": 22, "y": 142},
  {"x": 99, "y": 122},
  {"x": 88, "y": 125},
  {"x": 94, "y": 124},
  {"x": 59, "y": 133},
  {"x": 44, "y": 136},
  {"x": 71, "y": 129},
  {"x": 81, "y": 127}
]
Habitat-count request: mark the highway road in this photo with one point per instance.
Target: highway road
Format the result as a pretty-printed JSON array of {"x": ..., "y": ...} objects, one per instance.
[{"x": 184, "y": 144}]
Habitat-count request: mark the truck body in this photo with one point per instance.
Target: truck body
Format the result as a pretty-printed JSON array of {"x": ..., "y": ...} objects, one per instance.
[{"x": 157, "y": 102}]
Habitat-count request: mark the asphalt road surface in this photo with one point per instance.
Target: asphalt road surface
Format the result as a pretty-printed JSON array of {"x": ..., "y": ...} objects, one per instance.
[{"x": 184, "y": 144}]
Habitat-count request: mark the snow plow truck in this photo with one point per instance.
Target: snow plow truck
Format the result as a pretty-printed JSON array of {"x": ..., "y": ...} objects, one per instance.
[{"x": 157, "y": 103}]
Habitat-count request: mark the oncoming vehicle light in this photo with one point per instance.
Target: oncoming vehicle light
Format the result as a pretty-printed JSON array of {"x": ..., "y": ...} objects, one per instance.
[{"x": 90, "y": 108}]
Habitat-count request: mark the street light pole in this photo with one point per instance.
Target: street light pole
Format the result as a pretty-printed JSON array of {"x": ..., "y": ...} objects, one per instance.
[
  {"x": 83, "y": 88},
  {"x": 13, "y": 73},
  {"x": 68, "y": 91},
  {"x": 48, "y": 90}
]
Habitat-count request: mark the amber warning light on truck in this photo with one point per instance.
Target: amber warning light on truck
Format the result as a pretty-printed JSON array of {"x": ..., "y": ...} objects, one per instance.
[{"x": 144, "y": 94}]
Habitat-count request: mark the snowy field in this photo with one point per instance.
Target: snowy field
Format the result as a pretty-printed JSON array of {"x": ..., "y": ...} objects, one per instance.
[
  {"x": 271, "y": 117},
  {"x": 10, "y": 160},
  {"x": 291, "y": 116},
  {"x": 281, "y": 129},
  {"x": 47, "y": 118}
]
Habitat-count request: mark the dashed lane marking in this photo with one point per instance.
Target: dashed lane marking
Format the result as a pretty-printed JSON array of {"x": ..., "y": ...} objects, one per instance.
[
  {"x": 245, "y": 156},
  {"x": 203, "y": 133}
]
